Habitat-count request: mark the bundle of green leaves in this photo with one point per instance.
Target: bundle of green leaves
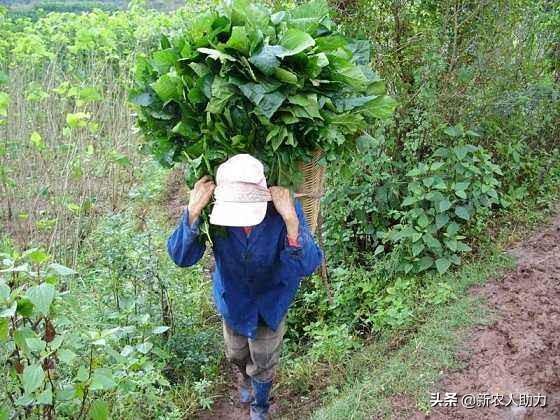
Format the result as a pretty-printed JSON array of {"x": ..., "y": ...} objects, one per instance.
[{"x": 242, "y": 79}]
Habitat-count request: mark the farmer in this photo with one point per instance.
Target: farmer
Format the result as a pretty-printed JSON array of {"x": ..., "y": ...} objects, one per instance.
[{"x": 260, "y": 261}]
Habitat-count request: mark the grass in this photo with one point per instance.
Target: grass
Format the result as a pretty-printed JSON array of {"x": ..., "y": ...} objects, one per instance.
[{"x": 414, "y": 368}]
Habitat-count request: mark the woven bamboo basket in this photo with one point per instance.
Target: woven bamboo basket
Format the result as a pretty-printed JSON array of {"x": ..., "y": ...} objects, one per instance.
[{"x": 311, "y": 190}]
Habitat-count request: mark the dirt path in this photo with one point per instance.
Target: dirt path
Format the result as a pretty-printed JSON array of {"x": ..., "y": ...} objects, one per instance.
[
  {"x": 518, "y": 353},
  {"x": 227, "y": 405}
]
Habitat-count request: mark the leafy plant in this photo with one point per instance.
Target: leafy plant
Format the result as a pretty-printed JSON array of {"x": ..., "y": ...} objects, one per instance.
[
  {"x": 243, "y": 79},
  {"x": 447, "y": 191}
]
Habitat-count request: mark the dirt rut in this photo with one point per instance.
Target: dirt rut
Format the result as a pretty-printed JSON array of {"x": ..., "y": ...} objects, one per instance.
[{"x": 518, "y": 354}]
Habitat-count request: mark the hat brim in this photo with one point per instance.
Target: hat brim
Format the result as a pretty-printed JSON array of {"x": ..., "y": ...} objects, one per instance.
[{"x": 238, "y": 214}]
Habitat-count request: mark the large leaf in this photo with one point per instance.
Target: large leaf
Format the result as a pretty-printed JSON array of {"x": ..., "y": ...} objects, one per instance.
[
  {"x": 309, "y": 15},
  {"x": 32, "y": 378},
  {"x": 4, "y": 291},
  {"x": 239, "y": 40},
  {"x": 164, "y": 60},
  {"x": 222, "y": 91},
  {"x": 102, "y": 379},
  {"x": 61, "y": 270},
  {"x": 168, "y": 87},
  {"x": 382, "y": 107},
  {"x": 267, "y": 103},
  {"x": 42, "y": 297},
  {"x": 295, "y": 41},
  {"x": 99, "y": 410},
  {"x": 4, "y": 329},
  {"x": 442, "y": 265},
  {"x": 216, "y": 55},
  {"x": 266, "y": 60}
]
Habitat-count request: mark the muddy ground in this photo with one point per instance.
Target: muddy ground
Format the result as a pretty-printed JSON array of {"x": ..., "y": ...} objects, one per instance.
[{"x": 518, "y": 354}]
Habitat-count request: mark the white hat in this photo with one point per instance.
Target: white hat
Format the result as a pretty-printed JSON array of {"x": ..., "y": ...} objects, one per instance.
[{"x": 241, "y": 194}]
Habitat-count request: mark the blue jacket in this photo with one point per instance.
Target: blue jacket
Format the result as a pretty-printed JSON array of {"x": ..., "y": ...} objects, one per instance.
[{"x": 255, "y": 275}]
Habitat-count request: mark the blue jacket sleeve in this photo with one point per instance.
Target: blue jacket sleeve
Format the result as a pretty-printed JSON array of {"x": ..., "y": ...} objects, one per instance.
[
  {"x": 302, "y": 260},
  {"x": 184, "y": 246}
]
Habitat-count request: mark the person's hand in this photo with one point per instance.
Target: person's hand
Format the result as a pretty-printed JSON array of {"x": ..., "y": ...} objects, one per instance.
[
  {"x": 200, "y": 197},
  {"x": 282, "y": 199}
]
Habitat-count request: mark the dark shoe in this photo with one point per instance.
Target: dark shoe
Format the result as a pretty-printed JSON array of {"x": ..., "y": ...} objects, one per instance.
[
  {"x": 246, "y": 391},
  {"x": 260, "y": 404}
]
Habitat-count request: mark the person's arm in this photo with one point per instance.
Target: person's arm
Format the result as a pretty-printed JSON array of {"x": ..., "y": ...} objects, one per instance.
[
  {"x": 300, "y": 254},
  {"x": 184, "y": 246}
]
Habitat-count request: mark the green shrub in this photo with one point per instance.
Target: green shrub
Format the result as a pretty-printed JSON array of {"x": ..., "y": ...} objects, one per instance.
[{"x": 455, "y": 186}]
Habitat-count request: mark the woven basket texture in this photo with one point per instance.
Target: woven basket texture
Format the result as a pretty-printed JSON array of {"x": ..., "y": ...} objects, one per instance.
[{"x": 312, "y": 187}]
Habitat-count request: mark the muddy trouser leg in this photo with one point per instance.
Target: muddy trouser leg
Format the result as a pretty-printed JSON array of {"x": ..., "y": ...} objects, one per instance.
[
  {"x": 237, "y": 352},
  {"x": 265, "y": 351}
]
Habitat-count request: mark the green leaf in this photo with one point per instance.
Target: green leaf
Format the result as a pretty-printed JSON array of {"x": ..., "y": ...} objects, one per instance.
[
  {"x": 143, "y": 99},
  {"x": 441, "y": 220},
  {"x": 431, "y": 241},
  {"x": 308, "y": 16},
  {"x": 425, "y": 263},
  {"x": 32, "y": 378},
  {"x": 36, "y": 345},
  {"x": 45, "y": 397},
  {"x": 42, "y": 297},
  {"x": 382, "y": 107},
  {"x": 163, "y": 60},
  {"x": 168, "y": 87},
  {"x": 4, "y": 291},
  {"x": 417, "y": 248},
  {"x": 35, "y": 255},
  {"x": 102, "y": 379},
  {"x": 160, "y": 329},
  {"x": 20, "y": 336},
  {"x": 61, "y": 270},
  {"x": 266, "y": 60},
  {"x": 145, "y": 347},
  {"x": 285, "y": 76},
  {"x": 267, "y": 103},
  {"x": 4, "y": 102},
  {"x": 452, "y": 229},
  {"x": 222, "y": 91},
  {"x": 456, "y": 131},
  {"x": 364, "y": 142},
  {"x": 99, "y": 410},
  {"x": 442, "y": 265},
  {"x": 239, "y": 40},
  {"x": 66, "y": 356},
  {"x": 24, "y": 401},
  {"x": 295, "y": 41},
  {"x": 408, "y": 201},
  {"x": 444, "y": 205},
  {"x": 463, "y": 247},
  {"x": 423, "y": 220},
  {"x": 37, "y": 141},
  {"x": 216, "y": 55},
  {"x": 463, "y": 212},
  {"x": 4, "y": 329},
  {"x": 4, "y": 413},
  {"x": 347, "y": 104},
  {"x": 9, "y": 311},
  {"x": 77, "y": 119},
  {"x": 276, "y": 18}
]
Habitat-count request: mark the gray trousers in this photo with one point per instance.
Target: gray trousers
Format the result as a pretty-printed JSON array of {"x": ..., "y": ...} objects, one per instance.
[{"x": 256, "y": 358}]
